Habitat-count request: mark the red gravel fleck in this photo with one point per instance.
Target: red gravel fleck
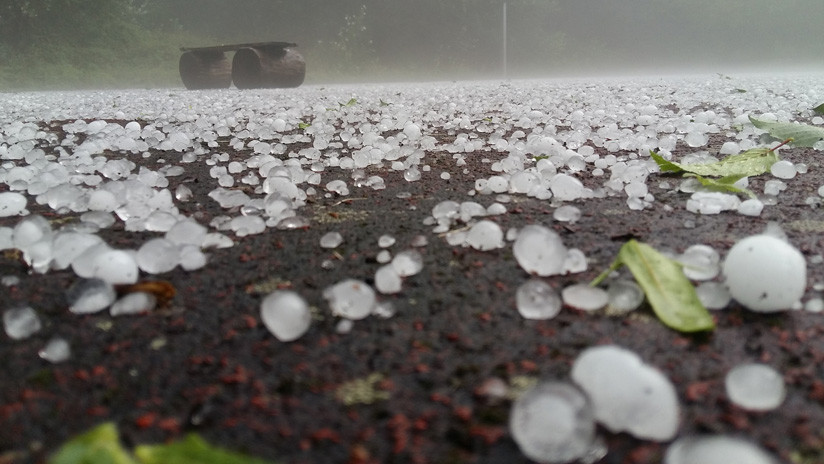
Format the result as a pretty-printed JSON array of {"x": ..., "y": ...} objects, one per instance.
[{"x": 488, "y": 433}]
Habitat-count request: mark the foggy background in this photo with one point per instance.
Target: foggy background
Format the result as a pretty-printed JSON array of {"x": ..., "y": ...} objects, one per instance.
[{"x": 122, "y": 43}]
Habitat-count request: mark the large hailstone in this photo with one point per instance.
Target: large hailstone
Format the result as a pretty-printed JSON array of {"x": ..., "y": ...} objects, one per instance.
[
  {"x": 715, "y": 449},
  {"x": 626, "y": 394},
  {"x": 540, "y": 251},
  {"x": 351, "y": 299},
  {"x": 553, "y": 423},
  {"x": 765, "y": 273},
  {"x": 286, "y": 315}
]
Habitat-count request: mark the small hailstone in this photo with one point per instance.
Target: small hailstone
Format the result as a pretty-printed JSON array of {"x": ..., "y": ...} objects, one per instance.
[
  {"x": 387, "y": 280},
  {"x": 539, "y": 250},
  {"x": 20, "y": 323},
  {"x": 350, "y": 298},
  {"x": 567, "y": 213},
  {"x": 536, "y": 299},
  {"x": 408, "y": 263},
  {"x": 331, "y": 240},
  {"x": 584, "y": 297},
  {"x": 116, "y": 267},
  {"x": 553, "y": 423},
  {"x": 713, "y": 295},
  {"x": 12, "y": 204},
  {"x": 485, "y": 235},
  {"x": 783, "y": 169},
  {"x": 624, "y": 296},
  {"x": 90, "y": 296},
  {"x": 756, "y": 387},
  {"x": 56, "y": 350},
  {"x": 765, "y": 273},
  {"x": 133, "y": 303},
  {"x": 627, "y": 394},
  {"x": 716, "y": 449},
  {"x": 700, "y": 262},
  {"x": 286, "y": 314},
  {"x": 386, "y": 241},
  {"x": 751, "y": 207},
  {"x": 157, "y": 256},
  {"x": 383, "y": 256}
]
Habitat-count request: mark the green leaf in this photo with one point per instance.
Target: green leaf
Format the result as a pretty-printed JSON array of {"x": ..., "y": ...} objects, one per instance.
[
  {"x": 819, "y": 109},
  {"x": 667, "y": 289},
  {"x": 304, "y": 125},
  {"x": 352, "y": 101},
  {"x": 800, "y": 135},
  {"x": 752, "y": 162},
  {"x": 191, "y": 450},
  {"x": 383, "y": 103},
  {"x": 724, "y": 184},
  {"x": 100, "y": 445}
]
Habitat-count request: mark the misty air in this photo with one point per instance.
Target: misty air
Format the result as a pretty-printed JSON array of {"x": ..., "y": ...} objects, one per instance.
[{"x": 426, "y": 231}]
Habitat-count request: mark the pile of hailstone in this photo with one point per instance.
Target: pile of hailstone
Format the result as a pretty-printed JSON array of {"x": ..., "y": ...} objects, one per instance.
[{"x": 78, "y": 154}]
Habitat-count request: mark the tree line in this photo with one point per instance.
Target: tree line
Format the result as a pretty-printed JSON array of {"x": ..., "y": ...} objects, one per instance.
[{"x": 370, "y": 39}]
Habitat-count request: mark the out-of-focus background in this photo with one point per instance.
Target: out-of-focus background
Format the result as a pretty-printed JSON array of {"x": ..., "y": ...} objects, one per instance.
[{"x": 67, "y": 44}]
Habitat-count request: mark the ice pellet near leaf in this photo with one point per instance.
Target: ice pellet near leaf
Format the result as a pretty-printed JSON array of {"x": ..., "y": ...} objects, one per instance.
[
  {"x": 584, "y": 297},
  {"x": 408, "y": 263},
  {"x": 765, "y": 273},
  {"x": 539, "y": 250},
  {"x": 624, "y": 296},
  {"x": 716, "y": 449},
  {"x": 626, "y": 394},
  {"x": 12, "y": 204},
  {"x": 286, "y": 314},
  {"x": 485, "y": 235},
  {"x": 756, "y": 387},
  {"x": 350, "y": 298},
  {"x": 553, "y": 423},
  {"x": 536, "y": 299},
  {"x": 20, "y": 323},
  {"x": 90, "y": 296},
  {"x": 157, "y": 256},
  {"x": 700, "y": 262}
]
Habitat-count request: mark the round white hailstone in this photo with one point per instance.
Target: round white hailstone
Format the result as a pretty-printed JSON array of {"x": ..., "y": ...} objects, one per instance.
[
  {"x": 56, "y": 350},
  {"x": 498, "y": 184},
  {"x": 286, "y": 315},
  {"x": 387, "y": 280},
  {"x": 751, "y": 207},
  {"x": 765, "y": 273},
  {"x": 584, "y": 297},
  {"x": 386, "y": 241},
  {"x": 116, "y": 267},
  {"x": 412, "y": 131},
  {"x": 331, "y": 240},
  {"x": 350, "y": 298},
  {"x": 157, "y": 256},
  {"x": 192, "y": 258},
  {"x": 186, "y": 232},
  {"x": 12, "y": 204},
  {"x": 539, "y": 250},
  {"x": 696, "y": 139},
  {"x": 713, "y": 295},
  {"x": 700, "y": 262},
  {"x": 553, "y": 423},
  {"x": 565, "y": 187},
  {"x": 485, "y": 235},
  {"x": 536, "y": 299},
  {"x": 783, "y": 169},
  {"x": 408, "y": 263},
  {"x": 626, "y": 394},
  {"x": 624, "y": 296},
  {"x": 575, "y": 262},
  {"x": 84, "y": 263},
  {"x": 90, "y": 296},
  {"x": 20, "y": 323},
  {"x": 133, "y": 303},
  {"x": 715, "y": 449},
  {"x": 756, "y": 387},
  {"x": 567, "y": 213},
  {"x": 69, "y": 245}
]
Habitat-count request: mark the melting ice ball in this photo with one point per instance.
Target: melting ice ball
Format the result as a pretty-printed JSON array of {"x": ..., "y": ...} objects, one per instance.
[
  {"x": 553, "y": 423},
  {"x": 539, "y": 250},
  {"x": 765, "y": 273},
  {"x": 626, "y": 394},
  {"x": 350, "y": 298},
  {"x": 286, "y": 315},
  {"x": 536, "y": 299},
  {"x": 756, "y": 387},
  {"x": 715, "y": 449}
]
